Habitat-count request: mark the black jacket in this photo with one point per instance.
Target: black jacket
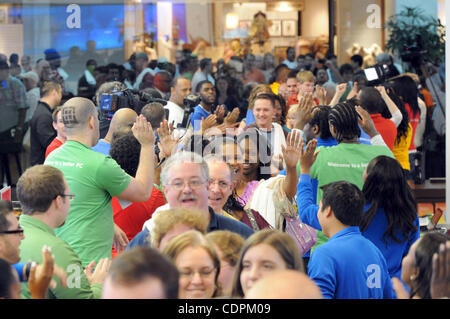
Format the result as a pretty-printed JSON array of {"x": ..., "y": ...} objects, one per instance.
[{"x": 42, "y": 133}]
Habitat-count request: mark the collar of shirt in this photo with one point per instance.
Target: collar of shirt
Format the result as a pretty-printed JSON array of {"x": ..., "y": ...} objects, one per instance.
[
  {"x": 351, "y": 230},
  {"x": 46, "y": 105},
  {"x": 29, "y": 221}
]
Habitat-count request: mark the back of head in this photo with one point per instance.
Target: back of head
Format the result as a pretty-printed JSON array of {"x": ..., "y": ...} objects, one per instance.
[
  {"x": 344, "y": 118},
  {"x": 357, "y": 59},
  {"x": 76, "y": 113},
  {"x": 134, "y": 266},
  {"x": 166, "y": 221},
  {"x": 38, "y": 186},
  {"x": 346, "y": 68},
  {"x": 204, "y": 63},
  {"x": 428, "y": 245},
  {"x": 123, "y": 120},
  {"x": 345, "y": 200},
  {"x": 48, "y": 87},
  {"x": 371, "y": 100},
  {"x": 406, "y": 88},
  {"x": 320, "y": 118},
  {"x": 386, "y": 187},
  {"x": 154, "y": 113},
  {"x": 184, "y": 157},
  {"x": 284, "y": 284},
  {"x": 108, "y": 88},
  {"x": 126, "y": 150}
]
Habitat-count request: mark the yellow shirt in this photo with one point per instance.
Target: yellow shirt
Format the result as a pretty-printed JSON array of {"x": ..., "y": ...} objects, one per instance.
[
  {"x": 274, "y": 87},
  {"x": 400, "y": 149}
]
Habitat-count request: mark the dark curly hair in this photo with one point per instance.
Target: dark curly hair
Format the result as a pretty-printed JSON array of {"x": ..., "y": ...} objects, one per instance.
[{"x": 126, "y": 150}]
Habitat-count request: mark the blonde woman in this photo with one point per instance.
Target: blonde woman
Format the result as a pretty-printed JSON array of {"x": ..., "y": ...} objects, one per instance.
[{"x": 197, "y": 262}]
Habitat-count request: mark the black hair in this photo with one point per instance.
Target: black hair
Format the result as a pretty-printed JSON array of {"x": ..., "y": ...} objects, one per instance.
[
  {"x": 344, "y": 118},
  {"x": 126, "y": 150},
  {"x": 199, "y": 85},
  {"x": 204, "y": 63},
  {"x": 282, "y": 102},
  {"x": 292, "y": 74},
  {"x": 345, "y": 200},
  {"x": 91, "y": 62},
  {"x": 371, "y": 100},
  {"x": 263, "y": 150},
  {"x": 320, "y": 118},
  {"x": 6, "y": 279},
  {"x": 425, "y": 249},
  {"x": 346, "y": 68},
  {"x": 358, "y": 59},
  {"x": 386, "y": 188},
  {"x": 402, "y": 128},
  {"x": 407, "y": 89}
]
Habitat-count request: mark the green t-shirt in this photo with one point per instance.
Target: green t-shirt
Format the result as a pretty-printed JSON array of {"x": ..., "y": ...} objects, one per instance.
[
  {"x": 37, "y": 234},
  {"x": 346, "y": 162},
  {"x": 94, "y": 179}
]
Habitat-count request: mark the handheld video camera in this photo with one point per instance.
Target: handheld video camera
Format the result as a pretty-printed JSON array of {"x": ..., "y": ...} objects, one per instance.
[
  {"x": 189, "y": 102},
  {"x": 377, "y": 74},
  {"x": 136, "y": 100}
]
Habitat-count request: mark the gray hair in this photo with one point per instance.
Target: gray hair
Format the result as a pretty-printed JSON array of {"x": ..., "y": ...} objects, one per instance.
[
  {"x": 184, "y": 157},
  {"x": 213, "y": 158}
]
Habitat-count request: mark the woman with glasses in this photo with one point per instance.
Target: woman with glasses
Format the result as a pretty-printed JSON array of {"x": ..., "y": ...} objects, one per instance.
[{"x": 198, "y": 265}]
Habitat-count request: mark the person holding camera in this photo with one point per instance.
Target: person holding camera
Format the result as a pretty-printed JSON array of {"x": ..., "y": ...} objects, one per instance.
[{"x": 180, "y": 88}]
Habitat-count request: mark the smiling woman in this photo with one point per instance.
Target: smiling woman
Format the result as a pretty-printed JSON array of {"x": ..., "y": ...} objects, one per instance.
[{"x": 198, "y": 264}]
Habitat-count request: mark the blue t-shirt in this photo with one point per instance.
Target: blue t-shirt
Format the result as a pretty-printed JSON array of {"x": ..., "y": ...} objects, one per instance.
[
  {"x": 102, "y": 147},
  {"x": 350, "y": 266},
  {"x": 249, "y": 117},
  {"x": 196, "y": 117}
]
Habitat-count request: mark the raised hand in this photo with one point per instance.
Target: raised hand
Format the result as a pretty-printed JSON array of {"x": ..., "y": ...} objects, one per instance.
[
  {"x": 291, "y": 152},
  {"x": 167, "y": 143},
  {"x": 366, "y": 122},
  {"x": 40, "y": 278},
  {"x": 304, "y": 115},
  {"x": 98, "y": 275},
  {"x": 220, "y": 113},
  {"x": 440, "y": 278},
  {"x": 208, "y": 123},
  {"x": 321, "y": 95},
  {"x": 143, "y": 131},
  {"x": 308, "y": 156},
  {"x": 232, "y": 117}
]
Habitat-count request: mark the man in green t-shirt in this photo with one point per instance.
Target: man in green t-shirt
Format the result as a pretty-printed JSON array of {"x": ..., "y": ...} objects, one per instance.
[
  {"x": 347, "y": 160},
  {"x": 45, "y": 198},
  {"x": 95, "y": 178}
]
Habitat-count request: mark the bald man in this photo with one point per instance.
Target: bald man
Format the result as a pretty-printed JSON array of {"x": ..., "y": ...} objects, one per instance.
[
  {"x": 121, "y": 123},
  {"x": 94, "y": 179},
  {"x": 284, "y": 284}
]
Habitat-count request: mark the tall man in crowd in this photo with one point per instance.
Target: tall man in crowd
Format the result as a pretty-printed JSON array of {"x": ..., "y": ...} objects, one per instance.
[
  {"x": 95, "y": 178},
  {"x": 181, "y": 87}
]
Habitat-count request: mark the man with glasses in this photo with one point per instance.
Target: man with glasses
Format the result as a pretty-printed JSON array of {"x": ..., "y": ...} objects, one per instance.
[
  {"x": 45, "y": 199},
  {"x": 96, "y": 178},
  {"x": 186, "y": 183},
  {"x": 11, "y": 235}
]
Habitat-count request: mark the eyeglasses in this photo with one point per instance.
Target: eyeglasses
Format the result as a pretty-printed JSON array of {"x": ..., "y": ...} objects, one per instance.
[
  {"x": 71, "y": 196},
  {"x": 15, "y": 231},
  {"x": 204, "y": 273},
  {"x": 193, "y": 184},
  {"x": 222, "y": 185}
]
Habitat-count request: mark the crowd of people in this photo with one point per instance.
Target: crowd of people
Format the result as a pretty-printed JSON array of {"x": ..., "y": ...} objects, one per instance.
[{"x": 236, "y": 179}]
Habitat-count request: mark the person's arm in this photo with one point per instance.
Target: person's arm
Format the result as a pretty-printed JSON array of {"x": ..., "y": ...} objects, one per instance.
[
  {"x": 367, "y": 125},
  {"x": 418, "y": 136},
  {"x": 306, "y": 206},
  {"x": 340, "y": 90},
  {"x": 140, "y": 188},
  {"x": 337, "y": 75},
  {"x": 396, "y": 115},
  {"x": 303, "y": 115},
  {"x": 291, "y": 155}
]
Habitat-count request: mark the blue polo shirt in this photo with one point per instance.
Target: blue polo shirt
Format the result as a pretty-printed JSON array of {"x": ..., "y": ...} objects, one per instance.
[
  {"x": 392, "y": 251},
  {"x": 350, "y": 266},
  {"x": 196, "y": 117},
  {"x": 102, "y": 147}
]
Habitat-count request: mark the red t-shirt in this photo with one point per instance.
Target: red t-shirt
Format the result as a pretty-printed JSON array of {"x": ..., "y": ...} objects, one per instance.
[
  {"x": 53, "y": 146},
  {"x": 414, "y": 120},
  {"x": 294, "y": 100},
  {"x": 386, "y": 128},
  {"x": 132, "y": 218}
]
